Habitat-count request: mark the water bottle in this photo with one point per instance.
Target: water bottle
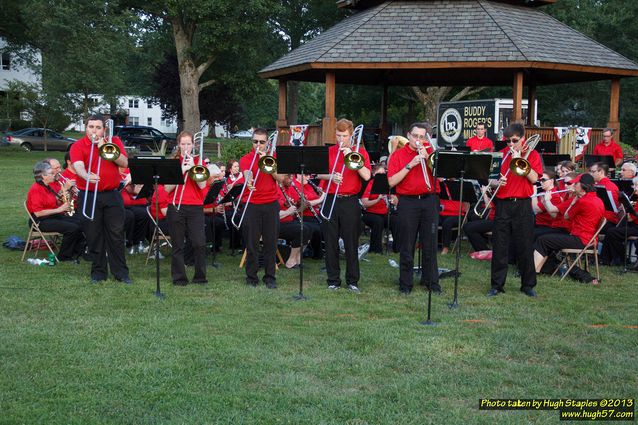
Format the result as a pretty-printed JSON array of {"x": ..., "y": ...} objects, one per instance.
[
  {"x": 51, "y": 259},
  {"x": 32, "y": 261}
]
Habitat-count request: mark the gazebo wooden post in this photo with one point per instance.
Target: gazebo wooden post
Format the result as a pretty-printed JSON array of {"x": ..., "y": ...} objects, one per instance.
[
  {"x": 282, "y": 117},
  {"x": 517, "y": 96},
  {"x": 383, "y": 122},
  {"x": 329, "y": 121},
  {"x": 531, "y": 104},
  {"x": 614, "y": 101}
]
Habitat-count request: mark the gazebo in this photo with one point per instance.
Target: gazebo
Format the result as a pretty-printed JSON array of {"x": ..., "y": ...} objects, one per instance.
[{"x": 451, "y": 43}]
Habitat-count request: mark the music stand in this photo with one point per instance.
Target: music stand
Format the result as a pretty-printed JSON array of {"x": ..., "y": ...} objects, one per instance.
[
  {"x": 232, "y": 196},
  {"x": 153, "y": 170},
  {"x": 607, "y": 159},
  {"x": 302, "y": 160},
  {"x": 552, "y": 160},
  {"x": 462, "y": 166},
  {"x": 211, "y": 197},
  {"x": 380, "y": 186},
  {"x": 549, "y": 147},
  {"x": 624, "y": 185},
  {"x": 629, "y": 209}
]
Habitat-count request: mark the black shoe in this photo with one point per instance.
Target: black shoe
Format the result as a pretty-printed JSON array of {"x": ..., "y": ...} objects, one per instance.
[
  {"x": 126, "y": 280},
  {"x": 405, "y": 291},
  {"x": 436, "y": 288},
  {"x": 271, "y": 285},
  {"x": 530, "y": 292},
  {"x": 252, "y": 283},
  {"x": 180, "y": 282},
  {"x": 200, "y": 281},
  {"x": 96, "y": 281},
  {"x": 493, "y": 292}
]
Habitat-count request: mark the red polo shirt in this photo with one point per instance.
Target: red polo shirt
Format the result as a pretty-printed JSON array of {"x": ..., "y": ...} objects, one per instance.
[
  {"x": 265, "y": 188},
  {"x": 414, "y": 182},
  {"x": 130, "y": 201},
  {"x": 519, "y": 187},
  {"x": 351, "y": 182},
  {"x": 283, "y": 203},
  {"x": 612, "y": 149},
  {"x": 163, "y": 201},
  {"x": 450, "y": 208},
  {"x": 585, "y": 216},
  {"x": 477, "y": 144},
  {"x": 543, "y": 218},
  {"x": 559, "y": 221},
  {"x": 380, "y": 207},
  {"x": 192, "y": 194},
  {"x": 39, "y": 198},
  {"x": 109, "y": 171},
  {"x": 610, "y": 186}
]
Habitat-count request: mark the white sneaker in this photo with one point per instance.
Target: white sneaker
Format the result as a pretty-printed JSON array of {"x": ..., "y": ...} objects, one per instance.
[
  {"x": 152, "y": 257},
  {"x": 363, "y": 250},
  {"x": 133, "y": 250},
  {"x": 342, "y": 247},
  {"x": 354, "y": 288}
]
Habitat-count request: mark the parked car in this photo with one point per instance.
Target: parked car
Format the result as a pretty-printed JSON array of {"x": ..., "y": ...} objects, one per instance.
[
  {"x": 33, "y": 139},
  {"x": 144, "y": 139},
  {"x": 244, "y": 134}
]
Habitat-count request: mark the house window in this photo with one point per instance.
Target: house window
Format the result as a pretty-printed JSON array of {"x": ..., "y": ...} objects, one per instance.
[
  {"x": 134, "y": 120},
  {"x": 167, "y": 123},
  {"x": 133, "y": 103},
  {"x": 149, "y": 121},
  {"x": 5, "y": 61},
  {"x": 149, "y": 104}
]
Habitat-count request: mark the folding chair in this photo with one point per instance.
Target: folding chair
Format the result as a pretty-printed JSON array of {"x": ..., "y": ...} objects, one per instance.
[
  {"x": 50, "y": 239},
  {"x": 590, "y": 249},
  {"x": 280, "y": 259},
  {"x": 158, "y": 237}
]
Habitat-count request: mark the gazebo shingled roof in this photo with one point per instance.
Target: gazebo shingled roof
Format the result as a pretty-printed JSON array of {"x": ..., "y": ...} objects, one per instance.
[{"x": 463, "y": 42}]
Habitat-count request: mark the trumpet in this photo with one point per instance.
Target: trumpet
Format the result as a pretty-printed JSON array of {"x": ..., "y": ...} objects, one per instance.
[
  {"x": 353, "y": 161},
  {"x": 266, "y": 164},
  {"x": 197, "y": 173},
  {"x": 109, "y": 152},
  {"x": 519, "y": 166}
]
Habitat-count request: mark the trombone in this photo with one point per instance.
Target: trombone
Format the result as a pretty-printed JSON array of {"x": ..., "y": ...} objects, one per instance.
[
  {"x": 197, "y": 173},
  {"x": 353, "y": 160},
  {"x": 519, "y": 166},
  {"x": 109, "y": 152},
  {"x": 266, "y": 164},
  {"x": 424, "y": 163}
]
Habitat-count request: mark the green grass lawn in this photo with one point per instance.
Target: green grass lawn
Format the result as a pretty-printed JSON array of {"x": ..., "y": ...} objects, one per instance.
[{"x": 72, "y": 352}]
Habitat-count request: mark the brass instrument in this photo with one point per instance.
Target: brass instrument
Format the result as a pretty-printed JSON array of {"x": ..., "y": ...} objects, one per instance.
[
  {"x": 401, "y": 141},
  {"x": 269, "y": 166},
  {"x": 424, "y": 164},
  {"x": 198, "y": 172},
  {"x": 353, "y": 160}
]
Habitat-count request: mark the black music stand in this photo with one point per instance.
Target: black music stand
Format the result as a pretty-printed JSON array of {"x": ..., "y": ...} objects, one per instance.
[
  {"x": 154, "y": 170},
  {"x": 624, "y": 185},
  {"x": 211, "y": 197},
  {"x": 302, "y": 160},
  {"x": 380, "y": 186},
  {"x": 552, "y": 160},
  {"x": 549, "y": 147},
  {"x": 462, "y": 166},
  {"x": 607, "y": 159},
  {"x": 629, "y": 209}
]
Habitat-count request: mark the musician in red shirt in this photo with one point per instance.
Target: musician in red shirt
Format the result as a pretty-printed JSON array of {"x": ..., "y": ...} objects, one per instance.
[
  {"x": 105, "y": 233},
  {"x": 585, "y": 213},
  {"x": 289, "y": 222},
  {"x": 261, "y": 220},
  {"x": 614, "y": 243},
  {"x": 544, "y": 216},
  {"x": 514, "y": 217},
  {"x": 479, "y": 142},
  {"x": 312, "y": 218},
  {"x": 375, "y": 214},
  {"x": 345, "y": 220},
  {"x": 608, "y": 146},
  {"x": 599, "y": 171},
  {"x": 47, "y": 209},
  {"x": 186, "y": 216},
  {"x": 418, "y": 208}
]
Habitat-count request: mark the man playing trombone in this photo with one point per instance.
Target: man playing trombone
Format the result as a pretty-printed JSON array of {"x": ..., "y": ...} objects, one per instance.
[
  {"x": 514, "y": 218},
  {"x": 418, "y": 208},
  {"x": 98, "y": 181},
  {"x": 340, "y": 211}
]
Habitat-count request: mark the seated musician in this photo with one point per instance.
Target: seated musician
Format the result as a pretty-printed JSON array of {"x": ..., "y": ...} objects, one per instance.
[
  {"x": 214, "y": 221},
  {"x": 233, "y": 177},
  {"x": 160, "y": 214},
  {"x": 477, "y": 228},
  {"x": 448, "y": 218},
  {"x": 50, "y": 212},
  {"x": 314, "y": 197},
  {"x": 375, "y": 213},
  {"x": 563, "y": 168},
  {"x": 544, "y": 219},
  {"x": 289, "y": 226},
  {"x": 585, "y": 213},
  {"x": 628, "y": 171},
  {"x": 614, "y": 243},
  {"x": 600, "y": 172},
  {"x": 479, "y": 142}
]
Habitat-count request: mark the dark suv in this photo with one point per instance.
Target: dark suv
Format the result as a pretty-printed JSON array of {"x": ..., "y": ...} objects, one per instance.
[{"x": 144, "y": 139}]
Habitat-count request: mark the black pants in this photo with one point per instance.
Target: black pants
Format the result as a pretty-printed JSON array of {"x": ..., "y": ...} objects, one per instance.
[
  {"x": 315, "y": 236},
  {"x": 614, "y": 242},
  {"x": 378, "y": 223},
  {"x": 418, "y": 216},
  {"x": 447, "y": 223},
  {"x": 105, "y": 234},
  {"x": 345, "y": 223},
  {"x": 216, "y": 223},
  {"x": 549, "y": 244},
  {"x": 261, "y": 222},
  {"x": 73, "y": 241},
  {"x": 138, "y": 229},
  {"x": 545, "y": 230},
  {"x": 291, "y": 232},
  {"x": 476, "y": 233},
  {"x": 189, "y": 220},
  {"x": 513, "y": 224}
]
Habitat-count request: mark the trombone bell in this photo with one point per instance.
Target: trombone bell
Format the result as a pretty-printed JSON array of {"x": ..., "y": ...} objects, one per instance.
[
  {"x": 520, "y": 167},
  {"x": 268, "y": 164},
  {"x": 109, "y": 152},
  {"x": 353, "y": 161},
  {"x": 199, "y": 173}
]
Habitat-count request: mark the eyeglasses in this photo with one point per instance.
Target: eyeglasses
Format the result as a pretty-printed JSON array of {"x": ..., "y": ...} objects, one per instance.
[
  {"x": 419, "y": 136},
  {"x": 543, "y": 180},
  {"x": 514, "y": 140},
  {"x": 261, "y": 142},
  {"x": 607, "y": 137}
]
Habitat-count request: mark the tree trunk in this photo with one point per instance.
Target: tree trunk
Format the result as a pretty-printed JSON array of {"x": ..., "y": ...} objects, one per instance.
[
  {"x": 188, "y": 76},
  {"x": 293, "y": 107}
]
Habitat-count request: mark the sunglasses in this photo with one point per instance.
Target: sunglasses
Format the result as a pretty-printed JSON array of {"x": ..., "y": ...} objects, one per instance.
[
  {"x": 513, "y": 140},
  {"x": 261, "y": 142}
]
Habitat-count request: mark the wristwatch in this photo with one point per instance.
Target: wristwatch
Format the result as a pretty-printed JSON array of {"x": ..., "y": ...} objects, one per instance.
[{"x": 407, "y": 167}]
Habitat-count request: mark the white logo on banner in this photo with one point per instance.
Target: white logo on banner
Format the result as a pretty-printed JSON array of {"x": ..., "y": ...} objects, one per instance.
[{"x": 450, "y": 125}]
